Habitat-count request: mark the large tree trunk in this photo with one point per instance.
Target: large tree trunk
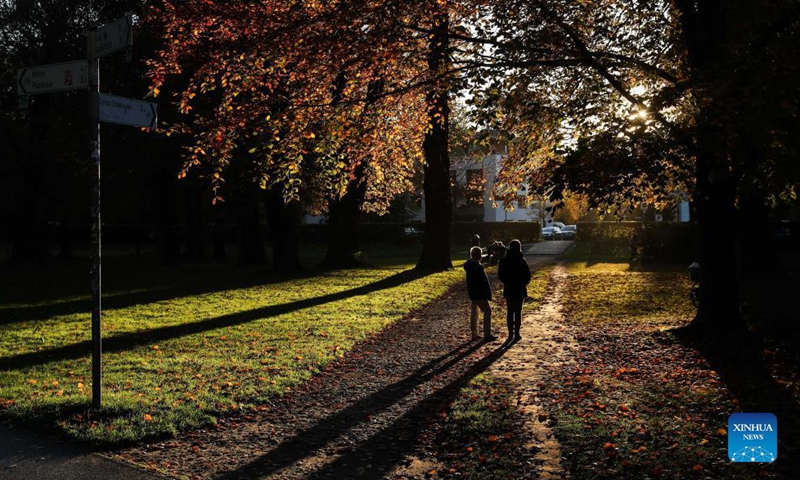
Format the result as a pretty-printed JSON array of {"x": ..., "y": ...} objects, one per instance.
[
  {"x": 193, "y": 204},
  {"x": 704, "y": 26},
  {"x": 251, "y": 239},
  {"x": 169, "y": 247},
  {"x": 283, "y": 232},
  {"x": 343, "y": 220},
  {"x": 29, "y": 242},
  {"x": 436, "y": 184}
]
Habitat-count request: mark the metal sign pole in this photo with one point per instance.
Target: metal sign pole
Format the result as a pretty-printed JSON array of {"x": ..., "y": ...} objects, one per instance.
[{"x": 94, "y": 124}]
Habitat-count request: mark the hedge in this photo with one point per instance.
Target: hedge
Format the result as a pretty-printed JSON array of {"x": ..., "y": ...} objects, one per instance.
[
  {"x": 462, "y": 231},
  {"x": 658, "y": 241}
]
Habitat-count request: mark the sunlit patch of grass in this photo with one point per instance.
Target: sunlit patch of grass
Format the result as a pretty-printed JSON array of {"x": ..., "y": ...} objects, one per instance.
[
  {"x": 182, "y": 381},
  {"x": 604, "y": 293}
]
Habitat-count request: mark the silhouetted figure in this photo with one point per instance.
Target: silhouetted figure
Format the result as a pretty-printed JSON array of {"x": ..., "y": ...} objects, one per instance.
[
  {"x": 515, "y": 274},
  {"x": 480, "y": 293},
  {"x": 496, "y": 251},
  {"x": 476, "y": 241}
]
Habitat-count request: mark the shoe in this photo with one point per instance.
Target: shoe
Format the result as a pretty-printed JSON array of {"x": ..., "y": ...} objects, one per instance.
[
  {"x": 476, "y": 337},
  {"x": 489, "y": 338},
  {"x": 517, "y": 338}
]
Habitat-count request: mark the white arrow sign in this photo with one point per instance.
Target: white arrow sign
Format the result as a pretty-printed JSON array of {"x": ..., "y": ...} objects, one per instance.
[
  {"x": 127, "y": 111},
  {"x": 114, "y": 36},
  {"x": 53, "y": 78}
]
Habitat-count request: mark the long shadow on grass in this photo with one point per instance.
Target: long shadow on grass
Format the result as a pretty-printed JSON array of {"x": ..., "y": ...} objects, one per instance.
[
  {"x": 131, "y": 340},
  {"x": 384, "y": 450},
  {"x": 739, "y": 362},
  {"x": 11, "y": 315}
]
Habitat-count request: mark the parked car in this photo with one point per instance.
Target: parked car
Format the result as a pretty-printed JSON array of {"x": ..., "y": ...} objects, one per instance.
[
  {"x": 558, "y": 225},
  {"x": 551, "y": 233},
  {"x": 568, "y": 232}
]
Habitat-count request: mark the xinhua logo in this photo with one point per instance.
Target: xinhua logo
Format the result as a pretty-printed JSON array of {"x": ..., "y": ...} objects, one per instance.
[{"x": 753, "y": 437}]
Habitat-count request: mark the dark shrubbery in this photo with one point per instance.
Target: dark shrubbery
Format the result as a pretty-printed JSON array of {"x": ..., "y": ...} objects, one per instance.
[{"x": 654, "y": 242}]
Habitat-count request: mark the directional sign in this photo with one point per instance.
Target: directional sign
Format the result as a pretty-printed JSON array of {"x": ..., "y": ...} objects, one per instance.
[
  {"x": 53, "y": 78},
  {"x": 127, "y": 111},
  {"x": 114, "y": 36}
]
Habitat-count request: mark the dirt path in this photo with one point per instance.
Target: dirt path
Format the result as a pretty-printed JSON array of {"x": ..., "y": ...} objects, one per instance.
[
  {"x": 545, "y": 342},
  {"x": 367, "y": 415}
]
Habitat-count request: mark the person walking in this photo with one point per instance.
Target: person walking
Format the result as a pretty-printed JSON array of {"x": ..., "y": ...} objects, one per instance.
[
  {"x": 480, "y": 293},
  {"x": 515, "y": 274}
]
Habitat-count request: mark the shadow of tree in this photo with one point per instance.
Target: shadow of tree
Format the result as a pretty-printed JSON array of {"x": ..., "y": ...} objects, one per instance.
[
  {"x": 739, "y": 361},
  {"x": 11, "y": 315},
  {"x": 135, "y": 339},
  {"x": 383, "y": 450}
]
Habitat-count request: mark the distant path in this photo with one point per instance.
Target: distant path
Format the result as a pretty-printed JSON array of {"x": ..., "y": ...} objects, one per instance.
[
  {"x": 548, "y": 247},
  {"x": 26, "y": 456}
]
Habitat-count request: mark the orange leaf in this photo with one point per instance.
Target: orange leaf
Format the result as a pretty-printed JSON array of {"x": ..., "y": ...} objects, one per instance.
[
  {"x": 722, "y": 432},
  {"x": 697, "y": 468},
  {"x": 148, "y": 417}
]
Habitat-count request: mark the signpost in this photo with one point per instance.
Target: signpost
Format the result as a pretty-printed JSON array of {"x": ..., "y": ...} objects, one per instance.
[
  {"x": 127, "y": 111},
  {"x": 55, "y": 77},
  {"x": 114, "y": 36}
]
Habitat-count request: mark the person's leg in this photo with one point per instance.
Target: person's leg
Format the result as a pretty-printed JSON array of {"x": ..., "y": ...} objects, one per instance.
[
  {"x": 473, "y": 319},
  {"x": 510, "y": 318},
  {"x": 487, "y": 317},
  {"x": 515, "y": 315},
  {"x": 518, "y": 319}
]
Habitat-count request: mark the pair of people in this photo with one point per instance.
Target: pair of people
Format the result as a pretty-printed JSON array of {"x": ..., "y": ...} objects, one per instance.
[{"x": 515, "y": 274}]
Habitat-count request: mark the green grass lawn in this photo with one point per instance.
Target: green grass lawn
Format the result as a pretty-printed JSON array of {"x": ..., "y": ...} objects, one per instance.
[
  {"x": 184, "y": 346},
  {"x": 616, "y": 293}
]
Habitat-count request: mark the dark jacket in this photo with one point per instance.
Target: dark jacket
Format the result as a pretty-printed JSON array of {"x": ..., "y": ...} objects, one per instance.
[
  {"x": 477, "y": 282},
  {"x": 515, "y": 274}
]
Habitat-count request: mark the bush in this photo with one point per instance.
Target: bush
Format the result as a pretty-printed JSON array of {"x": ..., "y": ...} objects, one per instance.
[{"x": 658, "y": 241}]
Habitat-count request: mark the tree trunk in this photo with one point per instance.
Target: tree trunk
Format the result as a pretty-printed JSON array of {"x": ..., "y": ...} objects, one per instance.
[
  {"x": 716, "y": 193},
  {"x": 436, "y": 184},
  {"x": 169, "y": 248},
  {"x": 29, "y": 242},
  {"x": 704, "y": 27},
  {"x": 65, "y": 250},
  {"x": 283, "y": 232},
  {"x": 343, "y": 220},
  {"x": 193, "y": 199},
  {"x": 219, "y": 232},
  {"x": 251, "y": 239}
]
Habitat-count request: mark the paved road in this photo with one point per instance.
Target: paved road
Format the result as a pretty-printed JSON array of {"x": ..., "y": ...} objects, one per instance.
[
  {"x": 27, "y": 456},
  {"x": 548, "y": 247}
]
